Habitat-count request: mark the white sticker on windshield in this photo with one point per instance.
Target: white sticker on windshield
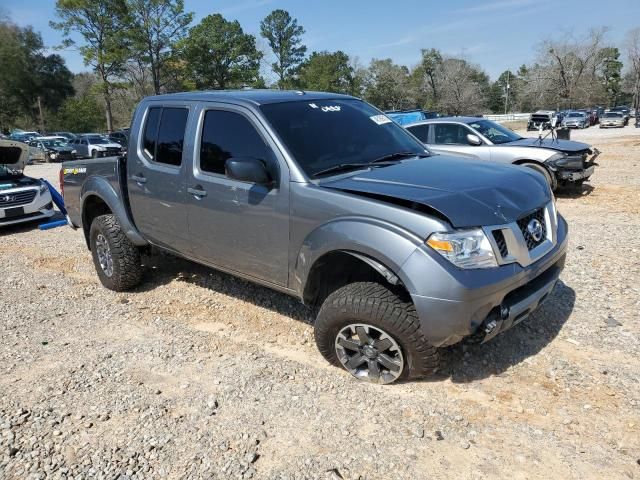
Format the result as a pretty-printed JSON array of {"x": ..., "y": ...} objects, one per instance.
[{"x": 380, "y": 119}]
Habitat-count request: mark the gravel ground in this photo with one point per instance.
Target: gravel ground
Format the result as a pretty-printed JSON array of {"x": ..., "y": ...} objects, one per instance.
[{"x": 197, "y": 374}]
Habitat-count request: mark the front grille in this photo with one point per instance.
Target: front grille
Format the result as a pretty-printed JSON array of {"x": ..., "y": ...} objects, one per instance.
[
  {"x": 500, "y": 241},
  {"x": 113, "y": 151},
  {"x": 523, "y": 224},
  {"x": 16, "y": 199}
]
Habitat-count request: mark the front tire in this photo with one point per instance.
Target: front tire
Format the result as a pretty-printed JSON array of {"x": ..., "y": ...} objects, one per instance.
[
  {"x": 374, "y": 334},
  {"x": 551, "y": 179},
  {"x": 94, "y": 154},
  {"x": 116, "y": 259}
]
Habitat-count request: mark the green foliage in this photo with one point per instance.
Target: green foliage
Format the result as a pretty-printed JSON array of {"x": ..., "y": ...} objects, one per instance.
[
  {"x": 81, "y": 114},
  {"x": 611, "y": 75},
  {"x": 28, "y": 75},
  {"x": 218, "y": 54},
  {"x": 327, "y": 72},
  {"x": 154, "y": 28},
  {"x": 283, "y": 34},
  {"x": 387, "y": 85},
  {"x": 101, "y": 24}
]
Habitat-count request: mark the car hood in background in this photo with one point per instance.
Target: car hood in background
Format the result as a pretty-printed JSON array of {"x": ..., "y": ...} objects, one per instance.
[
  {"x": 467, "y": 192},
  {"x": 14, "y": 154},
  {"x": 567, "y": 146}
]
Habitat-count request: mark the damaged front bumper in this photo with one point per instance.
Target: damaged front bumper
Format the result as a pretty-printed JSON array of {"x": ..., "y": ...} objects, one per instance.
[{"x": 574, "y": 168}]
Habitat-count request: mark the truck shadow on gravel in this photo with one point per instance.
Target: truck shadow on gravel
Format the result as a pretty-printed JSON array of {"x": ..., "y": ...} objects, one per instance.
[
  {"x": 165, "y": 268},
  {"x": 461, "y": 363},
  {"x": 465, "y": 363}
]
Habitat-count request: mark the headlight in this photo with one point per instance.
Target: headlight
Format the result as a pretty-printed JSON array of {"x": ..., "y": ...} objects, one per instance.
[
  {"x": 43, "y": 187},
  {"x": 465, "y": 248},
  {"x": 73, "y": 152}
]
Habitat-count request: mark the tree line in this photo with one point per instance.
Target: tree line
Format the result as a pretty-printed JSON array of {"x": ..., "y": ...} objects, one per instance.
[{"x": 135, "y": 48}]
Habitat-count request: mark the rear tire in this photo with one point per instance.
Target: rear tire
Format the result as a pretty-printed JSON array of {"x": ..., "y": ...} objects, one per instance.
[
  {"x": 387, "y": 319},
  {"x": 116, "y": 259},
  {"x": 551, "y": 179}
]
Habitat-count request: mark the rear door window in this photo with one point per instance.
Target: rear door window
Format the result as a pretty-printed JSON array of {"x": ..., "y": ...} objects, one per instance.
[
  {"x": 421, "y": 132},
  {"x": 171, "y": 136},
  {"x": 230, "y": 135},
  {"x": 163, "y": 135}
]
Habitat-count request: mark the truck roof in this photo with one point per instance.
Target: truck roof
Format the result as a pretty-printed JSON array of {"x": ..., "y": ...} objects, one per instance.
[{"x": 254, "y": 97}]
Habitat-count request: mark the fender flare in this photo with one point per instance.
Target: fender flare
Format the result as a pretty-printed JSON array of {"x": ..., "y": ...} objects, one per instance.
[
  {"x": 383, "y": 246},
  {"x": 101, "y": 188}
]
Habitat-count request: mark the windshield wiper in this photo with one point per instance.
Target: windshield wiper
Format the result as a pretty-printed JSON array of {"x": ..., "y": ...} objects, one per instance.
[
  {"x": 398, "y": 155},
  {"x": 341, "y": 167}
]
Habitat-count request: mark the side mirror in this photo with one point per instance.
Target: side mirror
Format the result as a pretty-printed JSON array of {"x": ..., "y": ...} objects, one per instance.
[
  {"x": 473, "y": 140},
  {"x": 248, "y": 169}
]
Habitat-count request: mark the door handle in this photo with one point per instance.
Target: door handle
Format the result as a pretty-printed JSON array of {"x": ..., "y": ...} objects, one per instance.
[
  {"x": 197, "y": 192},
  {"x": 138, "y": 179}
]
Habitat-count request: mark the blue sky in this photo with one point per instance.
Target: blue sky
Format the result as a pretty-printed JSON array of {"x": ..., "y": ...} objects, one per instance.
[{"x": 497, "y": 34}]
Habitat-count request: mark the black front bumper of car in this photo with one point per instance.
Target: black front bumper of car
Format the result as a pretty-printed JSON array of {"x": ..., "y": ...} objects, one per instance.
[{"x": 577, "y": 167}]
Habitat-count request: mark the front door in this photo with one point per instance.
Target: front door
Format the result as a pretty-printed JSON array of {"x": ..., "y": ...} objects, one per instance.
[
  {"x": 239, "y": 226},
  {"x": 156, "y": 177}
]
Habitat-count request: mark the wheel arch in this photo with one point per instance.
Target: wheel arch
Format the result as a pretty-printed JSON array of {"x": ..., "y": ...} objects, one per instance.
[
  {"x": 335, "y": 255},
  {"x": 98, "y": 197}
]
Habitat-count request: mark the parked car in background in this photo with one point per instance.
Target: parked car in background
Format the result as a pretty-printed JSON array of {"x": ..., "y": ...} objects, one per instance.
[
  {"x": 121, "y": 137},
  {"x": 323, "y": 197},
  {"x": 612, "y": 119},
  {"x": 22, "y": 198},
  {"x": 576, "y": 119},
  {"x": 637, "y": 121},
  {"x": 592, "y": 117},
  {"x": 404, "y": 117},
  {"x": 540, "y": 118},
  {"x": 561, "y": 162},
  {"x": 51, "y": 149},
  {"x": 68, "y": 135},
  {"x": 626, "y": 112},
  {"x": 22, "y": 136},
  {"x": 94, "y": 146}
]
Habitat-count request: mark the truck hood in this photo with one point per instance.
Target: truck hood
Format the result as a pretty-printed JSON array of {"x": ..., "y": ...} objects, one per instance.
[
  {"x": 14, "y": 155},
  {"x": 108, "y": 145},
  {"x": 469, "y": 193},
  {"x": 566, "y": 146}
]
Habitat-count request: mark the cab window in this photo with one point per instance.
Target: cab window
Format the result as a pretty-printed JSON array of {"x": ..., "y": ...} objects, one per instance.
[{"x": 230, "y": 135}]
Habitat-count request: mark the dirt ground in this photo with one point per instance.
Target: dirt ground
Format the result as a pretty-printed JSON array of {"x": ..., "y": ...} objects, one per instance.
[{"x": 197, "y": 374}]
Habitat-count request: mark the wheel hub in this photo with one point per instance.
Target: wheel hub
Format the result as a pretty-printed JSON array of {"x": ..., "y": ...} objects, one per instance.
[
  {"x": 104, "y": 255},
  {"x": 369, "y": 353}
]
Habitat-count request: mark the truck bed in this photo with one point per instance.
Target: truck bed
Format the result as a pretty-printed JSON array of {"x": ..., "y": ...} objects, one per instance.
[{"x": 76, "y": 173}]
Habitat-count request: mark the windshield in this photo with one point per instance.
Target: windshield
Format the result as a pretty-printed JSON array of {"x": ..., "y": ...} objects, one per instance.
[
  {"x": 576, "y": 114},
  {"x": 494, "y": 132},
  {"x": 612, "y": 115},
  {"x": 322, "y": 134},
  {"x": 98, "y": 140}
]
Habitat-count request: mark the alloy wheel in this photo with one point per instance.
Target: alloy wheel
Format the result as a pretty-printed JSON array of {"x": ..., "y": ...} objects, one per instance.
[
  {"x": 104, "y": 255},
  {"x": 369, "y": 353}
]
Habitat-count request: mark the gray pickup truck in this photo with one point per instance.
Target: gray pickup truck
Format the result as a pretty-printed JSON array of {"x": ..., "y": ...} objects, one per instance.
[{"x": 323, "y": 197}]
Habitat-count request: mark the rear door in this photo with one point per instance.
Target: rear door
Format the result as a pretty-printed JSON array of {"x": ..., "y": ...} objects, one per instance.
[
  {"x": 236, "y": 225},
  {"x": 156, "y": 176},
  {"x": 451, "y": 138}
]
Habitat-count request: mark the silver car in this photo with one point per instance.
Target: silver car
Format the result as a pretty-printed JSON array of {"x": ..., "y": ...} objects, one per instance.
[
  {"x": 575, "y": 120},
  {"x": 612, "y": 119},
  {"x": 96, "y": 146},
  {"x": 560, "y": 161}
]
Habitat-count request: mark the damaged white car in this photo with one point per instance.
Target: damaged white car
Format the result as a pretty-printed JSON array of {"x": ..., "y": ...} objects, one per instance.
[{"x": 22, "y": 198}]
